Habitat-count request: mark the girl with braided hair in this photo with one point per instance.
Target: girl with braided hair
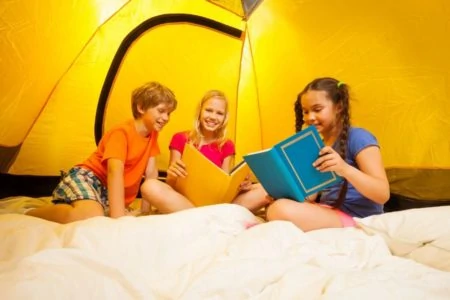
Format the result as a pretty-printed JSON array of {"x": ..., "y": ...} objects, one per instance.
[{"x": 351, "y": 152}]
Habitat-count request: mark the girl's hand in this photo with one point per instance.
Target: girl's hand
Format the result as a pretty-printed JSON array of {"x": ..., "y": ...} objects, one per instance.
[
  {"x": 245, "y": 185},
  {"x": 177, "y": 169},
  {"x": 330, "y": 160}
]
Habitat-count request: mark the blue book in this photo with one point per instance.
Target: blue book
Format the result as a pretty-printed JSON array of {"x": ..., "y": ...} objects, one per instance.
[{"x": 286, "y": 171}]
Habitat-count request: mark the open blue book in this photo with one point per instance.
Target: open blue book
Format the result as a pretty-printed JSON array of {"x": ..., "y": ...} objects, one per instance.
[{"x": 286, "y": 171}]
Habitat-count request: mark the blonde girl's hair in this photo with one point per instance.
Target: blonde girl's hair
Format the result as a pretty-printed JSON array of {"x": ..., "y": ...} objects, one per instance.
[{"x": 195, "y": 134}]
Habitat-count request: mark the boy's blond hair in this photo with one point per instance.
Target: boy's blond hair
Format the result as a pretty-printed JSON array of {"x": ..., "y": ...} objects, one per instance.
[{"x": 149, "y": 95}]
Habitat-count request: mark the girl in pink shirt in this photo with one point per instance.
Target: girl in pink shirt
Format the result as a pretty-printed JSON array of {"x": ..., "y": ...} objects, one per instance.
[{"x": 209, "y": 136}]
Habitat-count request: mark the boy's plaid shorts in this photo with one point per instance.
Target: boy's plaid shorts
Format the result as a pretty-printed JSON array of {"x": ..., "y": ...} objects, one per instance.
[{"x": 80, "y": 184}]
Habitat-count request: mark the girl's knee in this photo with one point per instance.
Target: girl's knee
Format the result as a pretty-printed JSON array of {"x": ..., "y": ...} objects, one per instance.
[
  {"x": 152, "y": 187},
  {"x": 156, "y": 193},
  {"x": 287, "y": 210},
  {"x": 278, "y": 210}
]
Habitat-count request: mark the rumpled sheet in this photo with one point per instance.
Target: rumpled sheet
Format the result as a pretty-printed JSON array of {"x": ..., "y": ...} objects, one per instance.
[{"x": 214, "y": 252}]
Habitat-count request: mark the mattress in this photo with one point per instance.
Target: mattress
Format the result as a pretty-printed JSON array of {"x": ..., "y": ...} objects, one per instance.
[{"x": 225, "y": 252}]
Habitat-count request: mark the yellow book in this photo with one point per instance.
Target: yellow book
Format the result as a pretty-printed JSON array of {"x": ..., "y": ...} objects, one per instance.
[{"x": 206, "y": 183}]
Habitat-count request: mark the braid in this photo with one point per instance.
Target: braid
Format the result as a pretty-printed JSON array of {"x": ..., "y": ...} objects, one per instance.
[
  {"x": 343, "y": 152},
  {"x": 298, "y": 114},
  {"x": 343, "y": 139}
]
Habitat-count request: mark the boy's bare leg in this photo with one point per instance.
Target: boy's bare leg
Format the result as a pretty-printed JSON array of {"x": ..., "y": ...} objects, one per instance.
[
  {"x": 163, "y": 197},
  {"x": 65, "y": 213}
]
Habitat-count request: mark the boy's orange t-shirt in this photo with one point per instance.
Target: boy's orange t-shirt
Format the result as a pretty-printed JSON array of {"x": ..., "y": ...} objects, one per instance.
[{"x": 125, "y": 143}]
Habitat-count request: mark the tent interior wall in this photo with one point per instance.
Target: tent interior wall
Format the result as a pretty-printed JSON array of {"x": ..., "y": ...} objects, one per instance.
[{"x": 57, "y": 55}]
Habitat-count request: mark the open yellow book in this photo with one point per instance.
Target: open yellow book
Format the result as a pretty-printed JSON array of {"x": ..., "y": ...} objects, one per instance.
[{"x": 206, "y": 183}]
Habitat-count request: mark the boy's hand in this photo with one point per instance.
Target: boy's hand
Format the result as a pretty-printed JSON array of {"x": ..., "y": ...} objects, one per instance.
[{"x": 177, "y": 169}]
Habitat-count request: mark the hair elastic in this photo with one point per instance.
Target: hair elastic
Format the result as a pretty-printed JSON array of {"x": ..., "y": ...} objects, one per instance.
[{"x": 340, "y": 83}]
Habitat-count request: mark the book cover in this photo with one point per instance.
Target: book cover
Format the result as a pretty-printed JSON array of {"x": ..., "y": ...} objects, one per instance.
[
  {"x": 286, "y": 171},
  {"x": 206, "y": 183}
]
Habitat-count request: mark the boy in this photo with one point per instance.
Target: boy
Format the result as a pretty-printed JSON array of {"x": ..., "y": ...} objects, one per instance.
[{"x": 108, "y": 181}]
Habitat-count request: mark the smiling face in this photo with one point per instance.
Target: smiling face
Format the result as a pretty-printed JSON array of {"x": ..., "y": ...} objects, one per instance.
[
  {"x": 155, "y": 118},
  {"x": 212, "y": 115},
  {"x": 319, "y": 111}
]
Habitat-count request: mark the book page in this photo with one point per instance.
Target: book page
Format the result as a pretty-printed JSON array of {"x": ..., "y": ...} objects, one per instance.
[
  {"x": 237, "y": 167},
  {"x": 236, "y": 178},
  {"x": 206, "y": 183}
]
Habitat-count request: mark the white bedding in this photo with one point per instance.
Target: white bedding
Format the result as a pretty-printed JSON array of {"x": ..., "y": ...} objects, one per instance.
[{"x": 215, "y": 253}]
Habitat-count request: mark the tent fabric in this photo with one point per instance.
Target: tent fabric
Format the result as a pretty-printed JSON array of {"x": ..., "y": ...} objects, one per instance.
[
  {"x": 56, "y": 56},
  {"x": 242, "y": 8},
  {"x": 123, "y": 71}
]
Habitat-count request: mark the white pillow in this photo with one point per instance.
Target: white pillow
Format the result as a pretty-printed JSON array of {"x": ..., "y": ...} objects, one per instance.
[{"x": 421, "y": 234}]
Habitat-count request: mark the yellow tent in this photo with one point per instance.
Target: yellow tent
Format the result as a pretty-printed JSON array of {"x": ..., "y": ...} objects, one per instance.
[{"x": 68, "y": 68}]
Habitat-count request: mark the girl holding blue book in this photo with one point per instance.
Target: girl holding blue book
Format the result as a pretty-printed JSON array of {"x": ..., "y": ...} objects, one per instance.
[{"x": 352, "y": 153}]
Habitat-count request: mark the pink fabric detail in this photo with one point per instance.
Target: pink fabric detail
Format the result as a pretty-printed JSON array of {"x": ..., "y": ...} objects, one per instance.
[
  {"x": 250, "y": 225},
  {"x": 178, "y": 141},
  {"x": 346, "y": 220},
  {"x": 211, "y": 151}
]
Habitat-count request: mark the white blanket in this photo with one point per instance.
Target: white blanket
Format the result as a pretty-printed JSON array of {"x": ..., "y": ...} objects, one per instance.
[{"x": 214, "y": 253}]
